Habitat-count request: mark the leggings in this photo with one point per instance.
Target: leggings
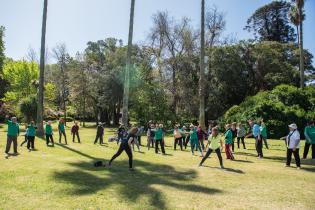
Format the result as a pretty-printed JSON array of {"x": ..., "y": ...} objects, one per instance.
[
  {"x": 25, "y": 141},
  {"x": 75, "y": 134},
  {"x": 180, "y": 142},
  {"x": 233, "y": 144},
  {"x": 265, "y": 141},
  {"x": 218, "y": 151},
  {"x": 195, "y": 143},
  {"x": 30, "y": 142},
  {"x": 62, "y": 133},
  {"x": 51, "y": 139},
  {"x": 306, "y": 148},
  {"x": 243, "y": 142},
  {"x": 123, "y": 147},
  {"x": 259, "y": 144},
  {"x": 296, "y": 156},
  {"x": 228, "y": 152}
]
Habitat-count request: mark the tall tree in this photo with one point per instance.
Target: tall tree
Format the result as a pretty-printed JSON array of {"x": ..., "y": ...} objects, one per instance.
[
  {"x": 128, "y": 66},
  {"x": 301, "y": 16},
  {"x": 3, "y": 83},
  {"x": 202, "y": 69},
  {"x": 40, "y": 105},
  {"x": 271, "y": 23}
]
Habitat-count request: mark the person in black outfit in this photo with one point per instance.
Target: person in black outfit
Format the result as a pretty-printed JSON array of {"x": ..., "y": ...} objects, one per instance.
[
  {"x": 99, "y": 133},
  {"x": 126, "y": 146},
  {"x": 234, "y": 134}
]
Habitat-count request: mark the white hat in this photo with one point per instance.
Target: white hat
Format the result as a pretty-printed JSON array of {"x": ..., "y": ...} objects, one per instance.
[{"x": 293, "y": 126}]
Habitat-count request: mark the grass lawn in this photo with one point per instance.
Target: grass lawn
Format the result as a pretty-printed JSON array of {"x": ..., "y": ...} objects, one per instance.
[{"x": 63, "y": 177}]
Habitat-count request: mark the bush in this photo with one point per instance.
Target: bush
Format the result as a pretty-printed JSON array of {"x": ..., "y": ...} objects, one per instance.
[{"x": 283, "y": 105}]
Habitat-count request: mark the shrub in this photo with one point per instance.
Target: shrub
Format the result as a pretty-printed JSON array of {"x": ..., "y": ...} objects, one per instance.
[{"x": 28, "y": 108}]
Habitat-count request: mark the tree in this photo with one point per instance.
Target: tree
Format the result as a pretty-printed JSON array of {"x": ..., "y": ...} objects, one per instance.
[
  {"x": 300, "y": 17},
  {"x": 40, "y": 106},
  {"x": 28, "y": 107},
  {"x": 271, "y": 23},
  {"x": 128, "y": 67},
  {"x": 3, "y": 83},
  {"x": 202, "y": 69}
]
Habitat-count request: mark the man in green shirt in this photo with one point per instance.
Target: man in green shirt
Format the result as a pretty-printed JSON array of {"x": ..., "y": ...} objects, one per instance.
[
  {"x": 12, "y": 134},
  {"x": 61, "y": 129},
  {"x": 158, "y": 137},
  {"x": 309, "y": 133},
  {"x": 31, "y": 135},
  {"x": 214, "y": 145},
  {"x": 49, "y": 133}
]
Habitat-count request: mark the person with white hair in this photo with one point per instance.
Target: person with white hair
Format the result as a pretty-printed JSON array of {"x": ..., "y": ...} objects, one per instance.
[
  {"x": 12, "y": 134},
  {"x": 293, "y": 145}
]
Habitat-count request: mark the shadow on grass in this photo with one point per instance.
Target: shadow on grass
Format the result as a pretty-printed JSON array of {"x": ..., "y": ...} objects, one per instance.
[
  {"x": 238, "y": 171},
  {"x": 130, "y": 185}
]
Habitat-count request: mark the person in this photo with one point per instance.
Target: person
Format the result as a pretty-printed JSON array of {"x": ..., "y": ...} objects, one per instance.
[
  {"x": 12, "y": 134},
  {"x": 150, "y": 136},
  {"x": 228, "y": 140},
  {"x": 75, "y": 131},
  {"x": 213, "y": 143},
  {"x": 309, "y": 133},
  {"x": 62, "y": 131},
  {"x": 234, "y": 134},
  {"x": 263, "y": 131},
  {"x": 25, "y": 137},
  {"x": 125, "y": 145},
  {"x": 241, "y": 135},
  {"x": 99, "y": 133},
  {"x": 31, "y": 136},
  {"x": 257, "y": 135},
  {"x": 49, "y": 133},
  {"x": 293, "y": 145},
  {"x": 136, "y": 140},
  {"x": 159, "y": 138},
  {"x": 201, "y": 136},
  {"x": 187, "y": 138},
  {"x": 139, "y": 134},
  {"x": 183, "y": 132},
  {"x": 178, "y": 138},
  {"x": 121, "y": 132},
  {"x": 194, "y": 140}
]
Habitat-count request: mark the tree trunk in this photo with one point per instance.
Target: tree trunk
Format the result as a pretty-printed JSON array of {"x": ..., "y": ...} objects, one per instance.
[
  {"x": 40, "y": 105},
  {"x": 301, "y": 49},
  {"x": 128, "y": 67},
  {"x": 202, "y": 69}
]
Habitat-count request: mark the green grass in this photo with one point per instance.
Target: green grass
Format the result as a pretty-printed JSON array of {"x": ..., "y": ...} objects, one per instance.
[{"x": 63, "y": 177}]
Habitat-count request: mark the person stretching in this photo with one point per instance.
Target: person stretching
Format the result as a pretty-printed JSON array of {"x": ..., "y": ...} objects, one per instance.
[
  {"x": 213, "y": 143},
  {"x": 126, "y": 146},
  {"x": 194, "y": 140}
]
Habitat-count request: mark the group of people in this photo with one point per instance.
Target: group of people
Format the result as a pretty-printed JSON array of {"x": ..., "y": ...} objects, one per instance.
[{"x": 195, "y": 136}]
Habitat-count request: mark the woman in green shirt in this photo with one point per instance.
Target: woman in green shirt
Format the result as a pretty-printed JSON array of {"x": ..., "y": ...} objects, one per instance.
[
  {"x": 159, "y": 138},
  {"x": 263, "y": 132},
  {"x": 193, "y": 138},
  {"x": 49, "y": 133},
  {"x": 61, "y": 129},
  {"x": 228, "y": 140},
  {"x": 31, "y": 135},
  {"x": 213, "y": 143}
]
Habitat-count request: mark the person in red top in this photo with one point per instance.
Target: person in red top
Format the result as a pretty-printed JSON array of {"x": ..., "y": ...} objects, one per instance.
[
  {"x": 75, "y": 131},
  {"x": 201, "y": 136}
]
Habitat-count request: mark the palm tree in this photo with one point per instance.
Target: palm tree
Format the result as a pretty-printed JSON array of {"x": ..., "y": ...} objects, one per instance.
[
  {"x": 300, "y": 16},
  {"x": 128, "y": 66},
  {"x": 40, "y": 105},
  {"x": 202, "y": 69},
  {"x": 295, "y": 19}
]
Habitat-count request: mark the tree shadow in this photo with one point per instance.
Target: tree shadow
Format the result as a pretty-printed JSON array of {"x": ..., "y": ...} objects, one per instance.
[
  {"x": 238, "y": 171},
  {"x": 130, "y": 185},
  {"x": 242, "y": 161}
]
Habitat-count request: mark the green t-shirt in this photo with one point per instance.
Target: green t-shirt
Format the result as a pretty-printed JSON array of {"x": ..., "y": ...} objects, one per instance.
[
  {"x": 13, "y": 128},
  {"x": 310, "y": 132},
  {"x": 158, "y": 134},
  {"x": 263, "y": 131},
  {"x": 193, "y": 134},
  {"x": 61, "y": 127},
  {"x": 214, "y": 142},
  {"x": 31, "y": 130},
  {"x": 228, "y": 137},
  {"x": 48, "y": 129}
]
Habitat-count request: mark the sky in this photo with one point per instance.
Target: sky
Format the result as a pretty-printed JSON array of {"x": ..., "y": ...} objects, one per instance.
[{"x": 75, "y": 22}]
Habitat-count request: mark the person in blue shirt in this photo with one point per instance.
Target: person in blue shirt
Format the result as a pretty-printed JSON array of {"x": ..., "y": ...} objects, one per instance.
[
  {"x": 255, "y": 127},
  {"x": 125, "y": 145}
]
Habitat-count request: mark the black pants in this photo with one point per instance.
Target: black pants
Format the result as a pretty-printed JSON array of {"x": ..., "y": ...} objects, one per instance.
[
  {"x": 62, "y": 133},
  {"x": 99, "y": 137},
  {"x": 186, "y": 141},
  {"x": 157, "y": 142},
  {"x": 243, "y": 142},
  {"x": 139, "y": 140},
  {"x": 233, "y": 144},
  {"x": 259, "y": 144},
  {"x": 180, "y": 142},
  {"x": 76, "y": 134},
  {"x": 11, "y": 139},
  {"x": 123, "y": 147},
  {"x": 201, "y": 144},
  {"x": 209, "y": 151},
  {"x": 265, "y": 141},
  {"x": 296, "y": 157},
  {"x": 306, "y": 148},
  {"x": 25, "y": 141},
  {"x": 30, "y": 142},
  {"x": 51, "y": 139}
]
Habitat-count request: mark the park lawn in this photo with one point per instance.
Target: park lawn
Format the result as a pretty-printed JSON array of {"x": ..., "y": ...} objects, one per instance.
[{"x": 63, "y": 177}]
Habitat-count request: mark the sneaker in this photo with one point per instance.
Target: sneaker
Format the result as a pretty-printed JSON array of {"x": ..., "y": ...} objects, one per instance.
[{"x": 298, "y": 168}]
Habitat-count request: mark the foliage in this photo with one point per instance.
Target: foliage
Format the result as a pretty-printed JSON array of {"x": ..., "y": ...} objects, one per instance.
[
  {"x": 283, "y": 105},
  {"x": 3, "y": 83},
  {"x": 28, "y": 107}
]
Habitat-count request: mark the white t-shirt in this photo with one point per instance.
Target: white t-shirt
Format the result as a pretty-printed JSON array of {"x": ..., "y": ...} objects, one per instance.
[{"x": 293, "y": 139}]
